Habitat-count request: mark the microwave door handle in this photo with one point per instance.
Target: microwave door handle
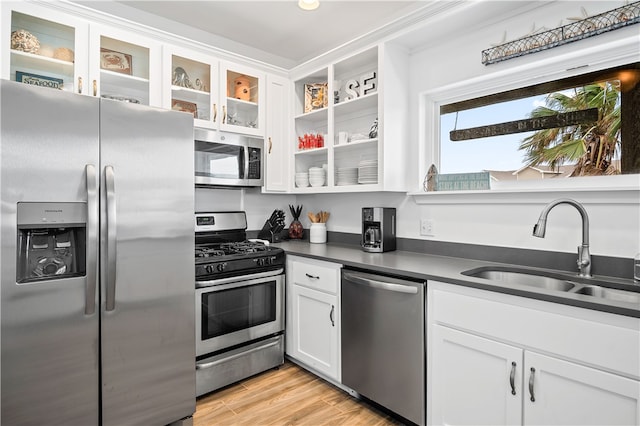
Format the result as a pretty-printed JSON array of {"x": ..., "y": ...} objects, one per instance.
[
  {"x": 110, "y": 278},
  {"x": 244, "y": 160},
  {"x": 92, "y": 240}
]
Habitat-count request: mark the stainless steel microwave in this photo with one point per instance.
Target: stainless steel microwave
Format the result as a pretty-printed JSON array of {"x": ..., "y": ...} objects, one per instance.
[{"x": 227, "y": 159}]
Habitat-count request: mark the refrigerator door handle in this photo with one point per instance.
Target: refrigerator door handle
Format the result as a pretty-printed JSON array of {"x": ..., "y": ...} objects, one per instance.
[
  {"x": 110, "y": 278},
  {"x": 92, "y": 240}
]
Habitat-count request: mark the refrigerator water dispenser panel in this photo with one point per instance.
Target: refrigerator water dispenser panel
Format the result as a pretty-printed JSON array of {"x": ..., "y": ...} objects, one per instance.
[{"x": 51, "y": 241}]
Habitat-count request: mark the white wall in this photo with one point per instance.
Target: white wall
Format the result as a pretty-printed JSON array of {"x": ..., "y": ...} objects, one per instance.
[
  {"x": 615, "y": 222},
  {"x": 258, "y": 206}
]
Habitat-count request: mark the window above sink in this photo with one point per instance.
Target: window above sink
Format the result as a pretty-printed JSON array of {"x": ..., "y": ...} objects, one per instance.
[{"x": 573, "y": 65}]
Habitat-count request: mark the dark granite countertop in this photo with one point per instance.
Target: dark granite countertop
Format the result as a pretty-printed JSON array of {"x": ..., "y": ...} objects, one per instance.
[{"x": 449, "y": 269}]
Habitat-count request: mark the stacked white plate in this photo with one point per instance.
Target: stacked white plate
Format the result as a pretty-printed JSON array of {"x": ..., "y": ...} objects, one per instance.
[
  {"x": 347, "y": 176},
  {"x": 317, "y": 176},
  {"x": 368, "y": 171},
  {"x": 302, "y": 179}
]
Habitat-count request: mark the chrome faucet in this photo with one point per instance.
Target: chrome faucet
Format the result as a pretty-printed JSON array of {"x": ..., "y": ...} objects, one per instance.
[{"x": 584, "y": 258}]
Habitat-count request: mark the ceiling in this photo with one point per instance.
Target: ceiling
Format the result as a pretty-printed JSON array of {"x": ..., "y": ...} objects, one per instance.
[{"x": 279, "y": 31}]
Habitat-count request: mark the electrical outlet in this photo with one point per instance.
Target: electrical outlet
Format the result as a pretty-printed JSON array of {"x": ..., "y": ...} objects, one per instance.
[{"x": 426, "y": 227}]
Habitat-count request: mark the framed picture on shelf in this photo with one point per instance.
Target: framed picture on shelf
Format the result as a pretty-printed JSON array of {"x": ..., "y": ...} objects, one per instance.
[
  {"x": 315, "y": 96},
  {"x": 178, "y": 105},
  {"x": 111, "y": 60},
  {"x": 39, "y": 80}
]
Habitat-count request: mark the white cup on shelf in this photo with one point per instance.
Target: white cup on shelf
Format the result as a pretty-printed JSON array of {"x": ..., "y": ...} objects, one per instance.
[{"x": 343, "y": 137}]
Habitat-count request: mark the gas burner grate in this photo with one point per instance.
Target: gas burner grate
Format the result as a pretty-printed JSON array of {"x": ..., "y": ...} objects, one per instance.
[{"x": 205, "y": 251}]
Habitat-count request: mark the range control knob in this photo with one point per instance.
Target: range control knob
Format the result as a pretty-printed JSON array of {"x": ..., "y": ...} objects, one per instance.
[
  {"x": 221, "y": 267},
  {"x": 209, "y": 269}
]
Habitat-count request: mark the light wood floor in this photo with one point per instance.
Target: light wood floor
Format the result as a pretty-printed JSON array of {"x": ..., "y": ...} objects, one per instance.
[{"x": 287, "y": 396}]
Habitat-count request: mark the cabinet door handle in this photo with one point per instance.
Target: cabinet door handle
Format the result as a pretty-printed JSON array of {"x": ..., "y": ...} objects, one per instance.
[
  {"x": 270, "y": 145},
  {"x": 333, "y": 308},
  {"x": 215, "y": 112},
  {"x": 224, "y": 114},
  {"x": 512, "y": 378},
  {"x": 95, "y": 88},
  {"x": 533, "y": 397},
  {"x": 313, "y": 277},
  {"x": 80, "y": 85}
]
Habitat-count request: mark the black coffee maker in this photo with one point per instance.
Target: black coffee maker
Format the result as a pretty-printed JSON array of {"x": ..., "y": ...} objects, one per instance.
[{"x": 378, "y": 229}]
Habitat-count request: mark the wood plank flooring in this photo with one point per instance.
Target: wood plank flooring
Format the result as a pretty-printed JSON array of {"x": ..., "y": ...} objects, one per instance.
[{"x": 289, "y": 395}]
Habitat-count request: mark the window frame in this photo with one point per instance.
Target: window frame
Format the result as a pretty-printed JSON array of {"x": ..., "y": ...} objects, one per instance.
[{"x": 523, "y": 73}]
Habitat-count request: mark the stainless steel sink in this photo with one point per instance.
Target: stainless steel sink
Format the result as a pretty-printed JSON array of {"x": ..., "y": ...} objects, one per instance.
[
  {"x": 528, "y": 278},
  {"x": 559, "y": 282},
  {"x": 609, "y": 294}
]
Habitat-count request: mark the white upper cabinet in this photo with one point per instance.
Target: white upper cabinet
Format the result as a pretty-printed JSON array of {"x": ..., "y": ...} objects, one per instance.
[
  {"x": 125, "y": 66},
  {"x": 242, "y": 99},
  {"x": 351, "y": 118},
  {"x": 44, "y": 47},
  {"x": 276, "y": 136},
  {"x": 56, "y": 50},
  {"x": 190, "y": 84}
]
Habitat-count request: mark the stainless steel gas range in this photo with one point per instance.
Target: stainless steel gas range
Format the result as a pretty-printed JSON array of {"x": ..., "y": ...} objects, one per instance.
[{"x": 239, "y": 302}]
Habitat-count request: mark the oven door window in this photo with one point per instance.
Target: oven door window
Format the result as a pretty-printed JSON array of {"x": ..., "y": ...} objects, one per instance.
[
  {"x": 219, "y": 160},
  {"x": 231, "y": 310}
]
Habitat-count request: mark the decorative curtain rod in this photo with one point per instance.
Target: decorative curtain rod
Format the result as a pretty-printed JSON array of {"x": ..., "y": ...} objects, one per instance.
[{"x": 579, "y": 30}]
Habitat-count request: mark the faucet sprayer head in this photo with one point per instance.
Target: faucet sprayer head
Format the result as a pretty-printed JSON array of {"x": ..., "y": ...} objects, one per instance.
[{"x": 540, "y": 228}]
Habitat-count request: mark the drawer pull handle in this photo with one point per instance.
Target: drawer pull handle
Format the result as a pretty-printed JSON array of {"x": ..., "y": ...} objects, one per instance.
[
  {"x": 533, "y": 397},
  {"x": 313, "y": 277},
  {"x": 512, "y": 378},
  {"x": 333, "y": 324}
]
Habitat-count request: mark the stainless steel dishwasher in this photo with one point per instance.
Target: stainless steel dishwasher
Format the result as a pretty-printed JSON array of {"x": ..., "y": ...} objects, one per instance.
[{"x": 383, "y": 341}]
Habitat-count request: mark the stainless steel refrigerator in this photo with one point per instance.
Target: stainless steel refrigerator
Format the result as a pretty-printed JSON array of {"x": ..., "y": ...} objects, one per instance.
[{"x": 96, "y": 256}]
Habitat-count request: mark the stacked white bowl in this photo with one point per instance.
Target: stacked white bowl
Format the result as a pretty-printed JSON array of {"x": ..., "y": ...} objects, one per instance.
[
  {"x": 302, "y": 179},
  {"x": 317, "y": 176}
]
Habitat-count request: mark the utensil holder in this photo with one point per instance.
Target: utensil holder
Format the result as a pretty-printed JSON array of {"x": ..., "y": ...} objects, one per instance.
[{"x": 318, "y": 233}]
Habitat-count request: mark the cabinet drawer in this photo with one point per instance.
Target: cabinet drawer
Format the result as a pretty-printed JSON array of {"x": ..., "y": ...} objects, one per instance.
[
  {"x": 594, "y": 338},
  {"x": 319, "y": 275}
]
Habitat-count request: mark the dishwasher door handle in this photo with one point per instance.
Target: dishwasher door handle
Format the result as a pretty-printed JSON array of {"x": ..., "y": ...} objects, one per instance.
[{"x": 398, "y": 288}]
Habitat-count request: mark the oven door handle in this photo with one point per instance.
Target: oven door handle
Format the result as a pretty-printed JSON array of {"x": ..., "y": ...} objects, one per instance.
[
  {"x": 205, "y": 365},
  {"x": 220, "y": 281}
]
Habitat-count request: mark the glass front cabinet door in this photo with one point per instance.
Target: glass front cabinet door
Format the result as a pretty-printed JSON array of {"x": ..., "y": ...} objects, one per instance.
[
  {"x": 46, "y": 48},
  {"x": 242, "y": 98},
  {"x": 125, "y": 67},
  {"x": 190, "y": 82}
]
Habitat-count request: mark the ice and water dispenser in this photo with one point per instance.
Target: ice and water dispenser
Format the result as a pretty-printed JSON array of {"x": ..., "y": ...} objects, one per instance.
[{"x": 51, "y": 241}]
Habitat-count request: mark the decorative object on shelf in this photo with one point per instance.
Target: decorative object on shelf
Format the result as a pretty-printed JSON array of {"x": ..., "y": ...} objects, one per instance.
[
  {"x": 64, "y": 54},
  {"x": 24, "y": 41},
  {"x": 310, "y": 141},
  {"x": 200, "y": 85},
  {"x": 181, "y": 78},
  {"x": 315, "y": 96},
  {"x": 463, "y": 181},
  {"x": 178, "y": 105},
  {"x": 272, "y": 227},
  {"x": 242, "y": 86},
  {"x": 590, "y": 26},
  {"x": 429, "y": 183},
  {"x": 368, "y": 83},
  {"x": 373, "y": 131},
  {"x": 39, "y": 80},
  {"x": 296, "y": 230},
  {"x": 120, "y": 98},
  {"x": 111, "y": 60},
  {"x": 350, "y": 89}
]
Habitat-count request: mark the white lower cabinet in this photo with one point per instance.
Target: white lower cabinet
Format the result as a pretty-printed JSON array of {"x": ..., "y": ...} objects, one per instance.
[
  {"x": 471, "y": 380},
  {"x": 502, "y": 360},
  {"x": 566, "y": 393},
  {"x": 313, "y": 315}
]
